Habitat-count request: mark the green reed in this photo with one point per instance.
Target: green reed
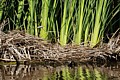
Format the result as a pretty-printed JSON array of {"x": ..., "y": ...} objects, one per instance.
[
  {"x": 44, "y": 18},
  {"x": 31, "y": 10},
  {"x": 79, "y": 24},
  {"x": 101, "y": 16},
  {"x": 1, "y": 8},
  {"x": 19, "y": 12},
  {"x": 52, "y": 24},
  {"x": 75, "y": 21},
  {"x": 31, "y": 16},
  {"x": 68, "y": 10}
]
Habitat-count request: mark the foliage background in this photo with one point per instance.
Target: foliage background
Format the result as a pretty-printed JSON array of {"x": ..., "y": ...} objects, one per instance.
[{"x": 65, "y": 21}]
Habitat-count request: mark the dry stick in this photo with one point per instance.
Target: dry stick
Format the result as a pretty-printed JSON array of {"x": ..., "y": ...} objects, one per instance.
[
  {"x": 111, "y": 42},
  {"x": 15, "y": 57},
  {"x": 115, "y": 32},
  {"x": 2, "y": 25},
  {"x": 0, "y": 39}
]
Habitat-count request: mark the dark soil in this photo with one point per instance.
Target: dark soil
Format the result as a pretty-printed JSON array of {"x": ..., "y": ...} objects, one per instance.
[{"x": 45, "y": 52}]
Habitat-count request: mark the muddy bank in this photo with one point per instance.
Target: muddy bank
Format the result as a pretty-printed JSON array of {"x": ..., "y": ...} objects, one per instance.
[{"x": 20, "y": 46}]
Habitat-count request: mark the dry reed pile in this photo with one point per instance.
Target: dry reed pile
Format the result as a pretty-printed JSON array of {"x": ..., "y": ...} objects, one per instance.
[{"x": 21, "y": 46}]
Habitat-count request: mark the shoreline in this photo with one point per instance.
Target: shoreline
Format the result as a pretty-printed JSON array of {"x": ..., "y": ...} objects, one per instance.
[{"x": 19, "y": 46}]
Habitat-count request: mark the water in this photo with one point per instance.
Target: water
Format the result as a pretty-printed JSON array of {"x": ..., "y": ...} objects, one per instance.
[{"x": 40, "y": 72}]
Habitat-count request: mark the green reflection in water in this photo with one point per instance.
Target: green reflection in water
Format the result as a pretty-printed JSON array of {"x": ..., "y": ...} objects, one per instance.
[
  {"x": 78, "y": 73},
  {"x": 97, "y": 75},
  {"x": 50, "y": 73},
  {"x": 88, "y": 75},
  {"x": 66, "y": 74}
]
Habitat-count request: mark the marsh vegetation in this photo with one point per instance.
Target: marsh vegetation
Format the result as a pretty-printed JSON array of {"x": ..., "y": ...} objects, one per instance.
[
  {"x": 53, "y": 37},
  {"x": 63, "y": 21}
]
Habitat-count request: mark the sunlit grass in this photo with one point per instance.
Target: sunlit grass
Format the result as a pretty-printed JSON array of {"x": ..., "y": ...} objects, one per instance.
[
  {"x": 80, "y": 17},
  {"x": 101, "y": 16},
  {"x": 32, "y": 12},
  {"x": 63, "y": 21},
  {"x": 66, "y": 21},
  {"x": 44, "y": 18}
]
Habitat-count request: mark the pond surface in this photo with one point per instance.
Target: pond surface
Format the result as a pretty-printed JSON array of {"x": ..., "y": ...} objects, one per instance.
[{"x": 40, "y": 72}]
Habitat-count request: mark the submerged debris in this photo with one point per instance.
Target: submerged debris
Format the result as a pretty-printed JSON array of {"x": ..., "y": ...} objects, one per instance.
[{"x": 19, "y": 46}]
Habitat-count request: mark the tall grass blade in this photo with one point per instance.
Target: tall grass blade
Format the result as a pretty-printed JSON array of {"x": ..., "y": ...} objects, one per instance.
[
  {"x": 44, "y": 18},
  {"x": 66, "y": 20},
  {"x": 95, "y": 34},
  {"x": 1, "y": 8},
  {"x": 31, "y": 9},
  {"x": 19, "y": 12},
  {"x": 79, "y": 28}
]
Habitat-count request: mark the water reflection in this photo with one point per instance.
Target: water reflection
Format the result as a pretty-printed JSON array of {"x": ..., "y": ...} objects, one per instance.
[{"x": 38, "y": 72}]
